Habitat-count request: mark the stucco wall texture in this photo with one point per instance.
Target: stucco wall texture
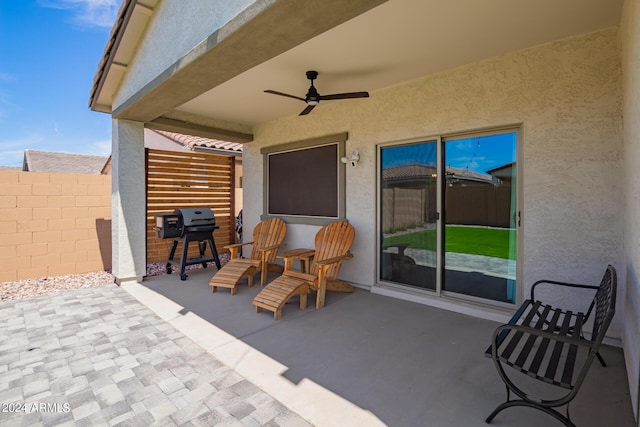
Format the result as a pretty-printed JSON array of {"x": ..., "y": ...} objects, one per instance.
[
  {"x": 128, "y": 209},
  {"x": 568, "y": 97},
  {"x": 163, "y": 35},
  {"x": 630, "y": 36}
]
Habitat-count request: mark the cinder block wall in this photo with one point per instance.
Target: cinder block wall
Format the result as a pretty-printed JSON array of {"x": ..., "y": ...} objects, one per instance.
[{"x": 53, "y": 224}]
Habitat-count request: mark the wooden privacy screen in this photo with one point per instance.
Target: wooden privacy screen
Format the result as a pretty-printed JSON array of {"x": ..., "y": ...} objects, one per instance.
[{"x": 189, "y": 180}]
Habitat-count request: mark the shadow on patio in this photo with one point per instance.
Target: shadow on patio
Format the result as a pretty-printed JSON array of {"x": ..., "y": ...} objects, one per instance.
[{"x": 366, "y": 359}]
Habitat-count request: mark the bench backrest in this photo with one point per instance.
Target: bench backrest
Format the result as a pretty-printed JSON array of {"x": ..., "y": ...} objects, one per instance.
[{"x": 604, "y": 303}]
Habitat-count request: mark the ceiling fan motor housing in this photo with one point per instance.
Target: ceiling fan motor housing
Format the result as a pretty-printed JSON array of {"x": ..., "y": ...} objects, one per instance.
[{"x": 312, "y": 97}]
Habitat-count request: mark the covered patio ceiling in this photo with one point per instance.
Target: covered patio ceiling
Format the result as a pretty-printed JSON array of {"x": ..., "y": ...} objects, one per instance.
[
  {"x": 393, "y": 42},
  {"x": 397, "y": 41}
]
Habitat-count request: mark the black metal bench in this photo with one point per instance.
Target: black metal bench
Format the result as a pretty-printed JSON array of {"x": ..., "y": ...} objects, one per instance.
[{"x": 548, "y": 344}]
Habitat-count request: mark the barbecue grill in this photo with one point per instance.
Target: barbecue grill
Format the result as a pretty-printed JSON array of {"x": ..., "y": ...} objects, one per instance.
[{"x": 188, "y": 225}]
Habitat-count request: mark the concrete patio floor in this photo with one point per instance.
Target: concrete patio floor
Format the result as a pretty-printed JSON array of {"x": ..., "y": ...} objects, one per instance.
[{"x": 367, "y": 359}]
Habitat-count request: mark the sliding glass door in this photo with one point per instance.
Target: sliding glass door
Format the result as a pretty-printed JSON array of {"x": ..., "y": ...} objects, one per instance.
[
  {"x": 480, "y": 216},
  {"x": 448, "y": 215},
  {"x": 408, "y": 214}
]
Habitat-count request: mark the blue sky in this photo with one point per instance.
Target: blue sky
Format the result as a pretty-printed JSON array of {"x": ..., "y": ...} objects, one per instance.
[
  {"x": 481, "y": 154},
  {"x": 478, "y": 154},
  {"x": 49, "y": 53}
]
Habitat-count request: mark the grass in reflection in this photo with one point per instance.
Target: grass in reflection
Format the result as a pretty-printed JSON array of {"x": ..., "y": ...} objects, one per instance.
[{"x": 491, "y": 242}]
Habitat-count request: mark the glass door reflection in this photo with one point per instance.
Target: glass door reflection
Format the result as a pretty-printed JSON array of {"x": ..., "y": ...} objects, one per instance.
[
  {"x": 480, "y": 216},
  {"x": 408, "y": 250}
]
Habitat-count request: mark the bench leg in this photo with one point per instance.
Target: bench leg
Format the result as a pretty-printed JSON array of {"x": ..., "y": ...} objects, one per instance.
[
  {"x": 602, "y": 362},
  {"x": 508, "y": 404}
]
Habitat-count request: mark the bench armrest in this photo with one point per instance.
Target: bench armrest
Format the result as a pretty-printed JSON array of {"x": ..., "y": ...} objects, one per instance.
[
  {"x": 502, "y": 331},
  {"x": 553, "y": 282}
]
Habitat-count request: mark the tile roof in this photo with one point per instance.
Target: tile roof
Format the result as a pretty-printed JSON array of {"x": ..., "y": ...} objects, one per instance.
[
  {"x": 468, "y": 174},
  {"x": 408, "y": 171},
  {"x": 46, "y": 161},
  {"x": 501, "y": 167},
  {"x": 422, "y": 171},
  {"x": 192, "y": 142}
]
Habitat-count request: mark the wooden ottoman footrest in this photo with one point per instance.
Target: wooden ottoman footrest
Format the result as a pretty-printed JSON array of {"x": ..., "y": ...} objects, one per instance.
[
  {"x": 281, "y": 290},
  {"x": 230, "y": 275}
]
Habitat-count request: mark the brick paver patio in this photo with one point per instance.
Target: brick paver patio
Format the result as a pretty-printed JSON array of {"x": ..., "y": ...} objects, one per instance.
[{"x": 98, "y": 357}]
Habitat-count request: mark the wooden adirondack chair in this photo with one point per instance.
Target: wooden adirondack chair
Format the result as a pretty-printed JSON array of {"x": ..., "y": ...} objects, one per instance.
[
  {"x": 267, "y": 238},
  {"x": 332, "y": 245}
]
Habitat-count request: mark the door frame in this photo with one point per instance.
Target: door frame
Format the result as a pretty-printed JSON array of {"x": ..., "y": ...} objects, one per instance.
[{"x": 426, "y": 295}]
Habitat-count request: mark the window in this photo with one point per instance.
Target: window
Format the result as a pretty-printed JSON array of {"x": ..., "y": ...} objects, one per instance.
[{"x": 304, "y": 180}]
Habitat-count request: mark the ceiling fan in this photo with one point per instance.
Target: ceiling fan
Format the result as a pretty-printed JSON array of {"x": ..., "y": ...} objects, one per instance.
[{"x": 312, "y": 98}]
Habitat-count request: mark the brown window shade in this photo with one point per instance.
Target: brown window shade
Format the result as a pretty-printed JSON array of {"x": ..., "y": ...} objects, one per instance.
[{"x": 304, "y": 182}]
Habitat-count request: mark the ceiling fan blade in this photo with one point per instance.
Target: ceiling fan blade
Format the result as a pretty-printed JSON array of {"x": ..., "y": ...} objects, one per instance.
[
  {"x": 307, "y": 110},
  {"x": 284, "y": 94},
  {"x": 345, "y": 95}
]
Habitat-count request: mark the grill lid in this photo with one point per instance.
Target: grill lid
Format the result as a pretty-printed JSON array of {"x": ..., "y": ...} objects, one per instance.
[{"x": 193, "y": 217}]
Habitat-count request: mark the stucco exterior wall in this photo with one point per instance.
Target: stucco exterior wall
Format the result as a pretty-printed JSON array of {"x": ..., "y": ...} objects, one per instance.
[
  {"x": 174, "y": 38},
  {"x": 128, "y": 201},
  {"x": 630, "y": 36},
  {"x": 567, "y": 95}
]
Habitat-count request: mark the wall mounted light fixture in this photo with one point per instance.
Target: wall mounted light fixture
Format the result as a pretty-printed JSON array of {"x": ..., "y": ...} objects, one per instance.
[{"x": 354, "y": 159}]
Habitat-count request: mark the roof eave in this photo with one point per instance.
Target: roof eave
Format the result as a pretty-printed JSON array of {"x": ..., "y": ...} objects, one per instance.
[
  {"x": 118, "y": 34},
  {"x": 115, "y": 38}
]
